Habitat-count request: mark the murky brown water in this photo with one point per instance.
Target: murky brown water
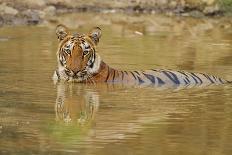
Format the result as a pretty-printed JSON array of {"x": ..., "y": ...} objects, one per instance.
[{"x": 38, "y": 117}]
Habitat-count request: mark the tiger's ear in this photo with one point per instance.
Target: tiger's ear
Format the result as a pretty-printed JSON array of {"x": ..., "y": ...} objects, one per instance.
[
  {"x": 61, "y": 31},
  {"x": 95, "y": 34}
]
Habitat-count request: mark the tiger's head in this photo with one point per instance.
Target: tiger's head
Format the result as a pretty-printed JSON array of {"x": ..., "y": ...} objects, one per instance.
[{"x": 77, "y": 57}]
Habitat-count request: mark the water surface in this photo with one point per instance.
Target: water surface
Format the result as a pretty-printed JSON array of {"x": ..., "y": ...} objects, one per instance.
[{"x": 40, "y": 117}]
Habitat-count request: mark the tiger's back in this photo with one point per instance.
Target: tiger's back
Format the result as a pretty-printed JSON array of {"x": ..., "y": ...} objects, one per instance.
[
  {"x": 160, "y": 77},
  {"x": 156, "y": 77}
]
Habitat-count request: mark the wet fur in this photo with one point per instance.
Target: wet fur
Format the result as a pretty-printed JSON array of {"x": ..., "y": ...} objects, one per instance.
[{"x": 79, "y": 62}]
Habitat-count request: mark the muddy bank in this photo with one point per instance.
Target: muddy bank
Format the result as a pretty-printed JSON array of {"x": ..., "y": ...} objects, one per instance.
[{"x": 31, "y": 12}]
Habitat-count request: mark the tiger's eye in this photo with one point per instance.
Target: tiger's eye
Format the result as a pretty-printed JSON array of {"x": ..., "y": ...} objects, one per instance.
[
  {"x": 68, "y": 51},
  {"x": 68, "y": 47}
]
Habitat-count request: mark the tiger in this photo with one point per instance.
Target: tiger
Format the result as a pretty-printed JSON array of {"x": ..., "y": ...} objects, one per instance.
[{"x": 79, "y": 61}]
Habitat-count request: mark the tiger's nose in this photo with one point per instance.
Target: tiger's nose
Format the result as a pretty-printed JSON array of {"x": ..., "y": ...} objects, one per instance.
[
  {"x": 75, "y": 72},
  {"x": 71, "y": 72}
]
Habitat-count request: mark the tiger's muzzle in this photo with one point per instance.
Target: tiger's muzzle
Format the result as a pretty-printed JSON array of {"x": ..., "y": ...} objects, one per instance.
[{"x": 76, "y": 74}]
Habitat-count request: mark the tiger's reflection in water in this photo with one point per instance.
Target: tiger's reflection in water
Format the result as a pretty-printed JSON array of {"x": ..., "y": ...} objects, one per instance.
[{"x": 75, "y": 104}]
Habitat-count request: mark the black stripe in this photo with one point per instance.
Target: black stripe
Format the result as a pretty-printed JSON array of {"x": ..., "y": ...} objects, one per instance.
[
  {"x": 57, "y": 74},
  {"x": 154, "y": 70},
  {"x": 185, "y": 81},
  {"x": 133, "y": 74},
  {"x": 138, "y": 77},
  {"x": 61, "y": 60},
  {"x": 122, "y": 75},
  {"x": 173, "y": 77},
  {"x": 161, "y": 82},
  {"x": 113, "y": 76},
  {"x": 150, "y": 77},
  {"x": 215, "y": 79},
  {"x": 211, "y": 79},
  {"x": 108, "y": 74},
  {"x": 92, "y": 62},
  {"x": 197, "y": 77},
  {"x": 222, "y": 81},
  {"x": 182, "y": 72},
  {"x": 207, "y": 76},
  {"x": 137, "y": 72},
  {"x": 61, "y": 63},
  {"x": 193, "y": 77},
  {"x": 186, "y": 78},
  {"x": 126, "y": 72},
  {"x": 140, "y": 80}
]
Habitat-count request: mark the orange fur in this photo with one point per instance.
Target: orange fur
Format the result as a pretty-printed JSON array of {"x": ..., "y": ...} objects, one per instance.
[{"x": 79, "y": 62}]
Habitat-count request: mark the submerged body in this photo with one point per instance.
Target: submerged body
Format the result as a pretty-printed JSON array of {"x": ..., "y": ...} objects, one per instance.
[{"x": 79, "y": 62}]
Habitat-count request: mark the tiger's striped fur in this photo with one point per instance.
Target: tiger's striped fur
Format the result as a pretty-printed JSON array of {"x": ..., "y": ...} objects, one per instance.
[{"x": 79, "y": 62}]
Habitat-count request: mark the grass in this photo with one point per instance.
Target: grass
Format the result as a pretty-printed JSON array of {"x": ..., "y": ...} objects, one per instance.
[{"x": 226, "y": 6}]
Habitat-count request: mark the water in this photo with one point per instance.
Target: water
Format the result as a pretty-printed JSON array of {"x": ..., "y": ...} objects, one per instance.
[{"x": 40, "y": 117}]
